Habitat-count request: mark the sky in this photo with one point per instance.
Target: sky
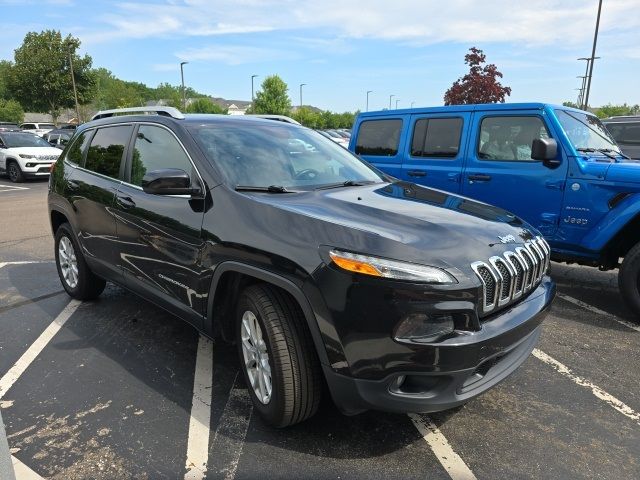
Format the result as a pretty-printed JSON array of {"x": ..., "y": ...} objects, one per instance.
[{"x": 412, "y": 49}]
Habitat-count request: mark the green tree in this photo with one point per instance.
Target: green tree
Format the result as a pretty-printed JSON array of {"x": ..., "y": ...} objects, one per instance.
[
  {"x": 273, "y": 98},
  {"x": 570, "y": 104},
  {"x": 205, "y": 105},
  {"x": 616, "y": 110},
  {"x": 11, "y": 111},
  {"x": 40, "y": 78},
  {"x": 5, "y": 68}
]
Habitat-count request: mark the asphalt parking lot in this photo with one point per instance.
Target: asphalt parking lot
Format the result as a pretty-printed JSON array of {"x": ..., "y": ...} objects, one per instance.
[{"x": 117, "y": 388}]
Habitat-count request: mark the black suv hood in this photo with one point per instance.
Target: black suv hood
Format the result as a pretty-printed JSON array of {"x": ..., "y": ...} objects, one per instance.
[{"x": 403, "y": 221}]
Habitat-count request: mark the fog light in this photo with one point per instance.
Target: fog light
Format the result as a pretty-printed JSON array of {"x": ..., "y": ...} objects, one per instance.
[
  {"x": 29, "y": 165},
  {"x": 420, "y": 327}
]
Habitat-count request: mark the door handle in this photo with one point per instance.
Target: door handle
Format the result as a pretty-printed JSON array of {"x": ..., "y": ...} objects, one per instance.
[
  {"x": 479, "y": 177},
  {"x": 416, "y": 173},
  {"x": 125, "y": 202},
  {"x": 73, "y": 184}
]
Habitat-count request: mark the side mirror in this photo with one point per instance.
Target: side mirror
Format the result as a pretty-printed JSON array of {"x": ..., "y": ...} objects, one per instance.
[
  {"x": 168, "y": 181},
  {"x": 545, "y": 149}
]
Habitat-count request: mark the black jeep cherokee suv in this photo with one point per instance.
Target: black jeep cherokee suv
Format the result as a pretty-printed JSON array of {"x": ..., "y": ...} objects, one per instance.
[{"x": 319, "y": 267}]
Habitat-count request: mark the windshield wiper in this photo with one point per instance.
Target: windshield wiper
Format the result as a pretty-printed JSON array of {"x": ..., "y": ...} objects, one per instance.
[
  {"x": 348, "y": 183},
  {"x": 615, "y": 152},
  {"x": 269, "y": 189}
]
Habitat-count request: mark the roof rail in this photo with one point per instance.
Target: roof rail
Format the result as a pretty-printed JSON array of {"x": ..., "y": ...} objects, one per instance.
[
  {"x": 278, "y": 118},
  {"x": 164, "y": 111}
]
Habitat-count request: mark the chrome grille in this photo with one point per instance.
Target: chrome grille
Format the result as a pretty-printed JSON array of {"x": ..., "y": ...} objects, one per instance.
[
  {"x": 506, "y": 278},
  {"x": 46, "y": 157}
]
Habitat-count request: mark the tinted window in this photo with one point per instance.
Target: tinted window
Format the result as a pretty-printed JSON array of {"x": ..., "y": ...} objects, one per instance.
[
  {"x": 27, "y": 126},
  {"x": 75, "y": 152},
  {"x": 379, "y": 137},
  {"x": 156, "y": 148},
  {"x": 509, "y": 138},
  {"x": 625, "y": 133},
  {"x": 105, "y": 153},
  {"x": 436, "y": 137}
]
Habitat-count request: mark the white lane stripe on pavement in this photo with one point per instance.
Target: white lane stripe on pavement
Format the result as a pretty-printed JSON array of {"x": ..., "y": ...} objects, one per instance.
[
  {"x": 231, "y": 432},
  {"x": 448, "y": 458},
  {"x": 612, "y": 401},
  {"x": 9, "y": 188},
  {"x": 28, "y": 262},
  {"x": 23, "y": 472},
  {"x": 18, "y": 368},
  {"x": 582, "y": 304},
  {"x": 198, "y": 442}
]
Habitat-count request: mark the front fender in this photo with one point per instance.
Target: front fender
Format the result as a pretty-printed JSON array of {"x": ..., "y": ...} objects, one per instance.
[{"x": 614, "y": 221}]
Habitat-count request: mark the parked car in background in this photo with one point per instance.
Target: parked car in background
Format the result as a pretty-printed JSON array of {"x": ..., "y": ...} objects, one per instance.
[
  {"x": 59, "y": 137},
  {"x": 319, "y": 267},
  {"x": 9, "y": 127},
  {"x": 25, "y": 155},
  {"x": 37, "y": 128},
  {"x": 556, "y": 167},
  {"x": 339, "y": 139},
  {"x": 626, "y": 131}
]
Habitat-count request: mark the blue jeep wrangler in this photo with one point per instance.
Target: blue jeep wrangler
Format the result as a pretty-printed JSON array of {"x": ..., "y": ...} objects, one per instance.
[{"x": 556, "y": 167}]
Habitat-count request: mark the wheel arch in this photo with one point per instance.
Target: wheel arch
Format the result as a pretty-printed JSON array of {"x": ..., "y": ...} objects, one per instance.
[{"x": 229, "y": 278}]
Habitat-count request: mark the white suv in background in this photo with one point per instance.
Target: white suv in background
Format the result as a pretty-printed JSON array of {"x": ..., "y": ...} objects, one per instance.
[
  {"x": 24, "y": 155},
  {"x": 39, "y": 129}
]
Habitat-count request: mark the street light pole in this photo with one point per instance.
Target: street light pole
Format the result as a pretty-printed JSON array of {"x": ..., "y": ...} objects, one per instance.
[
  {"x": 184, "y": 98},
  {"x": 593, "y": 57},
  {"x": 73, "y": 82},
  {"x": 390, "y": 97},
  {"x": 412, "y": 104},
  {"x": 368, "y": 92},
  {"x": 397, "y": 100},
  {"x": 252, "y": 95},
  {"x": 301, "y": 85}
]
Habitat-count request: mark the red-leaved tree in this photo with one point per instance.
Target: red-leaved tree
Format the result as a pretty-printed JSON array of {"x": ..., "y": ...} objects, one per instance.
[{"x": 480, "y": 85}]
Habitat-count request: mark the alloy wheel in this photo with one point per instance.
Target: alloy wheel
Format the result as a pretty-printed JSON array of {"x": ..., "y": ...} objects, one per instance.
[
  {"x": 256, "y": 357},
  {"x": 68, "y": 262}
]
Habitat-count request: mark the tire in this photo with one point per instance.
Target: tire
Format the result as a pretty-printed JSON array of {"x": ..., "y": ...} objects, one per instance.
[
  {"x": 629, "y": 279},
  {"x": 14, "y": 172},
  {"x": 296, "y": 380},
  {"x": 80, "y": 283}
]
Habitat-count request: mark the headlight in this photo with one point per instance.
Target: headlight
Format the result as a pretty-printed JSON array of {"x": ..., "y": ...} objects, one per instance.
[
  {"x": 380, "y": 267},
  {"x": 26, "y": 155}
]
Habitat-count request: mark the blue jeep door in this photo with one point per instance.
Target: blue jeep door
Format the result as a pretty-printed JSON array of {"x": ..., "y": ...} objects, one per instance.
[
  {"x": 499, "y": 169},
  {"x": 435, "y": 150}
]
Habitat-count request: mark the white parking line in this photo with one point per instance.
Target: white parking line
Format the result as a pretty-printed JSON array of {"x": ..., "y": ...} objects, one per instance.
[
  {"x": 9, "y": 188},
  {"x": 596, "y": 310},
  {"x": 198, "y": 442},
  {"x": 18, "y": 368},
  {"x": 23, "y": 472},
  {"x": 450, "y": 460},
  {"x": 232, "y": 431},
  {"x": 26, "y": 262},
  {"x": 612, "y": 401}
]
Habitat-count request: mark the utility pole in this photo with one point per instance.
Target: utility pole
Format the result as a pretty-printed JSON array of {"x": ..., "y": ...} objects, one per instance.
[
  {"x": 593, "y": 56},
  {"x": 73, "y": 82},
  {"x": 412, "y": 104},
  {"x": 397, "y": 100},
  {"x": 252, "y": 95},
  {"x": 368, "y": 92},
  {"x": 390, "y": 97},
  {"x": 301, "y": 85},
  {"x": 184, "y": 98}
]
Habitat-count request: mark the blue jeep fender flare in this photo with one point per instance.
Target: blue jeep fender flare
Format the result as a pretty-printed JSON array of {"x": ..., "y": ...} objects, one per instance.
[
  {"x": 611, "y": 224},
  {"x": 278, "y": 281}
]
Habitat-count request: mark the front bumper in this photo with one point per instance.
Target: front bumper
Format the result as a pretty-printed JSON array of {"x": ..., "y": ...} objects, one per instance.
[{"x": 467, "y": 365}]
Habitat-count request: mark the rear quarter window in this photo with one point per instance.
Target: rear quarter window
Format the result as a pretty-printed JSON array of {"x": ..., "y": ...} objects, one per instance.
[{"x": 379, "y": 137}]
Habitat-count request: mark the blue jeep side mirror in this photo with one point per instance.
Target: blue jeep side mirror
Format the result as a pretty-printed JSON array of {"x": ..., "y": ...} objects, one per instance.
[{"x": 545, "y": 149}]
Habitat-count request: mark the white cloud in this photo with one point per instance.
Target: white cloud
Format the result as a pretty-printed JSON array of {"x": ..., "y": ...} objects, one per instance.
[
  {"x": 536, "y": 22},
  {"x": 233, "y": 54}
]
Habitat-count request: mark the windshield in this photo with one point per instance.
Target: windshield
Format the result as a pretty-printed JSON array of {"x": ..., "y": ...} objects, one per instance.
[
  {"x": 262, "y": 155},
  {"x": 586, "y": 131},
  {"x": 13, "y": 140},
  {"x": 47, "y": 125}
]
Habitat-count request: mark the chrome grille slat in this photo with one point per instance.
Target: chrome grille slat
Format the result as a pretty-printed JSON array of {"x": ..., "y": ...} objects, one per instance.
[{"x": 508, "y": 277}]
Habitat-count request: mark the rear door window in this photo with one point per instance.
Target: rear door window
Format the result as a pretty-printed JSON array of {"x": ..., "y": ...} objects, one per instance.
[
  {"x": 379, "y": 137},
  {"x": 75, "y": 153},
  {"x": 436, "y": 137},
  {"x": 107, "y": 149}
]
